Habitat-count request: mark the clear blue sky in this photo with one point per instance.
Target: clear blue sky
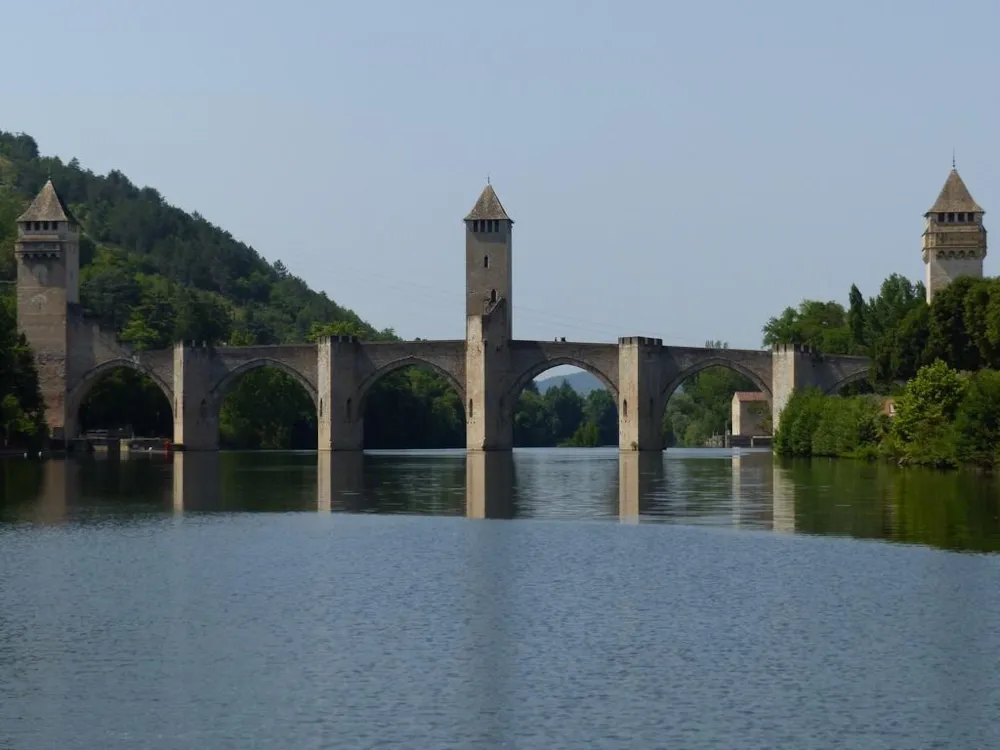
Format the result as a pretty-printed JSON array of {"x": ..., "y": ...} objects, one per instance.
[{"x": 681, "y": 170}]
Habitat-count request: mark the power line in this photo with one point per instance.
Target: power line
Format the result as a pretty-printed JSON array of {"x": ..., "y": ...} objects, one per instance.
[{"x": 438, "y": 296}]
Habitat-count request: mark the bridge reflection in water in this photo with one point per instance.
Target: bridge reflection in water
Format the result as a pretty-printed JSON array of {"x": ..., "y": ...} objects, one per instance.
[
  {"x": 632, "y": 486},
  {"x": 741, "y": 489}
]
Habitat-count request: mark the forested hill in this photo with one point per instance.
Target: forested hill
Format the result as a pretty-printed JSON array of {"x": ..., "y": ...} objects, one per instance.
[{"x": 157, "y": 273}]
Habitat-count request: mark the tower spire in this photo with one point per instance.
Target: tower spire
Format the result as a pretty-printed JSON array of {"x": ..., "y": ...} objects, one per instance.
[
  {"x": 488, "y": 206},
  {"x": 954, "y": 241}
]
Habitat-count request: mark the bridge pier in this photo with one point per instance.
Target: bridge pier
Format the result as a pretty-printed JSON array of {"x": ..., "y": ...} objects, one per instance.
[
  {"x": 489, "y": 425},
  {"x": 640, "y": 406},
  {"x": 339, "y": 411},
  {"x": 196, "y": 421},
  {"x": 793, "y": 369}
]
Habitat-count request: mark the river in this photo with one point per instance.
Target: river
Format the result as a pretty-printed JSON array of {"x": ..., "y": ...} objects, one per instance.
[{"x": 553, "y": 599}]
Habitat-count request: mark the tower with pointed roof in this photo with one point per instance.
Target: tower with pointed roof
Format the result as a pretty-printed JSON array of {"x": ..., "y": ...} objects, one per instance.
[
  {"x": 47, "y": 254},
  {"x": 489, "y": 323},
  {"x": 488, "y": 267},
  {"x": 954, "y": 241}
]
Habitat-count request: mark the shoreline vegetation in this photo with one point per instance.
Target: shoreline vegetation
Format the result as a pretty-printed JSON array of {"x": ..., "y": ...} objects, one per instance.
[
  {"x": 156, "y": 274},
  {"x": 938, "y": 366}
]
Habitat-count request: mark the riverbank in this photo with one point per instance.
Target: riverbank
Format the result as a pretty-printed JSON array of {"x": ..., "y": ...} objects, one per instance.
[{"x": 942, "y": 418}]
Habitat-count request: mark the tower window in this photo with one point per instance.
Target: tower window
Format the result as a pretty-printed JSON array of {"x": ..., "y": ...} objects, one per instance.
[
  {"x": 486, "y": 261},
  {"x": 961, "y": 217},
  {"x": 493, "y": 295},
  {"x": 941, "y": 218},
  {"x": 951, "y": 218}
]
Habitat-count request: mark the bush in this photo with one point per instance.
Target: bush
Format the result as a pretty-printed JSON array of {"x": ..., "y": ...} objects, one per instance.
[{"x": 977, "y": 421}]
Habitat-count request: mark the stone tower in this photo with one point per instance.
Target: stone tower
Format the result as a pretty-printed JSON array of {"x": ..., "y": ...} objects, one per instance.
[
  {"x": 954, "y": 237},
  {"x": 489, "y": 323},
  {"x": 488, "y": 266},
  {"x": 47, "y": 253}
]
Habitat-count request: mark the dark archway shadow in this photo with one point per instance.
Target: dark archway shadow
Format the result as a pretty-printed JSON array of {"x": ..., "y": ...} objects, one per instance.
[
  {"x": 265, "y": 407},
  {"x": 412, "y": 406},
  {"x": 122, "y": 398}
]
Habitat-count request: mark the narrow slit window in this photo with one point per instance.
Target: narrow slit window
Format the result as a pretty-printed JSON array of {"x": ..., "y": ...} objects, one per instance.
[
  {"x": 493, "y": 295},
  {"x": 486, "y": 261}
]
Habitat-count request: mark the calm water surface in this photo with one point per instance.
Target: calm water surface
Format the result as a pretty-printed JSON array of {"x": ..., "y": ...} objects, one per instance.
[{"x": 698, "y": 599}]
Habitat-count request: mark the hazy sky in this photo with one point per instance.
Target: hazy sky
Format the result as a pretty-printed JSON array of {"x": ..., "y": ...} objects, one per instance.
[{"x": 680, "y": 170}]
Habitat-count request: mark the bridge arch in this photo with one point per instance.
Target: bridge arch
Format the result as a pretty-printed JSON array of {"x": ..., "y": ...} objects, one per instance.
[
  {"x": 78, "y": 395},
  {"x": 579, "y": 421},
  {"x": 704, "y": 364},
  {"x": 220, "y": 389},
  {"x": 855, "y": 377},
  {"x": 94, "y": 374},
  {"x": 521, "y": 381},
  {"x": 398, "y": 364}
]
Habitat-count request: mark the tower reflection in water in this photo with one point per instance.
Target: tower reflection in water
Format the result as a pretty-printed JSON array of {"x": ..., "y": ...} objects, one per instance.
[
  {"x": 340, "y": 481},
  {"x": 197, "y": 482},
  {"x": 489, "y": 485},
  {"x": 640, "y": 479}
]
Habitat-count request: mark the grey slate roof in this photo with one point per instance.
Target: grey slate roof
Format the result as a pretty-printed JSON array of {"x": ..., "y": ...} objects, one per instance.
[
  {"x": 488, "y": 207},
  {"x": 47, "y": 206},
  {"x": 954, "y": 196}
]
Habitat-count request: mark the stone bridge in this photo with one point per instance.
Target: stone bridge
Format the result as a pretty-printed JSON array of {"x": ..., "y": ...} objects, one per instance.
[{"x": 488, "y": 368}]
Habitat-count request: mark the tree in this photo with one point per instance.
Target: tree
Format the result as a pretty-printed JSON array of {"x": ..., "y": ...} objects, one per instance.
[
  {"x": 977, "y": 420},
  {"x": 857, "y": 320},
  {"x": 924, "y": 413},
  {"x": 22, "y": 410},
  {"x": 600, "y": 411},
  {"x": 819, "y": 324},
  {"x": 949, "y": 338}
]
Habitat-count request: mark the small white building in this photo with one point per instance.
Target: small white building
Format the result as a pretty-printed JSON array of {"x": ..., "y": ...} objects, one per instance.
[{"x": 750, "y": 412}]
